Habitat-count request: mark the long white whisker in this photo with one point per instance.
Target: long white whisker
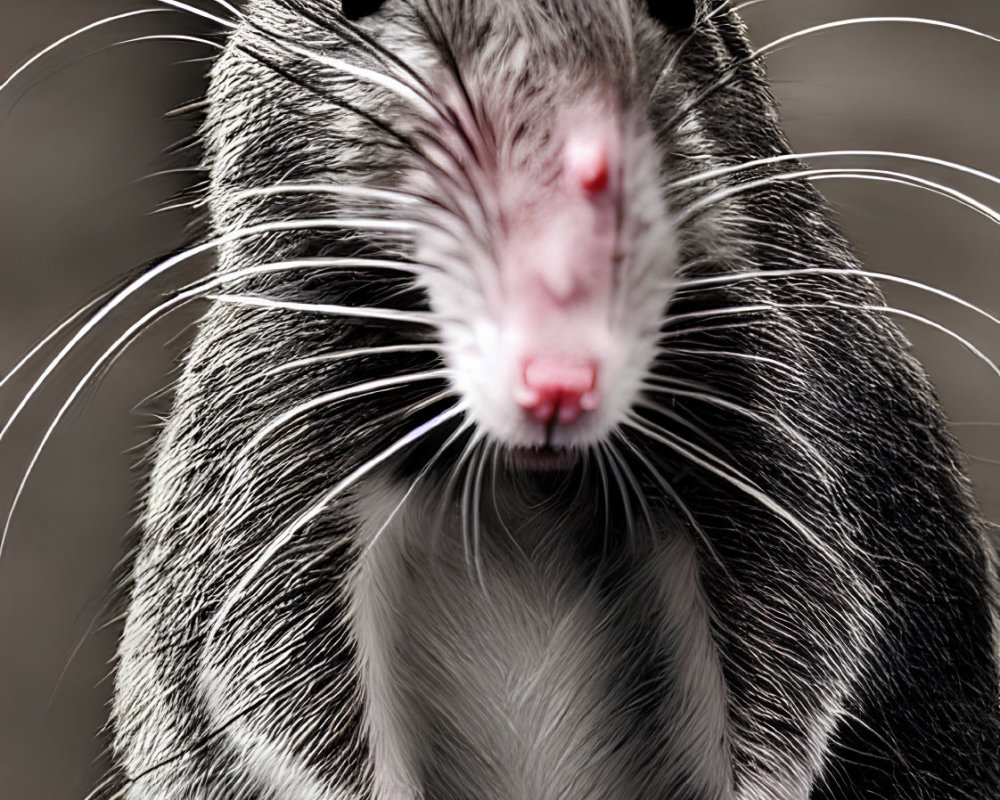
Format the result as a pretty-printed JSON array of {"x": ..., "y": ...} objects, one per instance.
[
  {"x": 673, "y": 415},
  {"x": 673, "y": 494},
  {"x": 880, "y": 175},
  {"x": 329, "y": 398},
  {"x": 195, "y": 292},
  {"x": 70, "y": 36},
  {"x": 330, "y": 309},
  {"x": 740, "y": 6},
  {"x": 466, "y": 424},
  {"x": 836, "y": 304},
  {"x": 147, "y": 277},
  {"x": 936, "y": 325},
  {"x": 230, "y": 8},
  {"x": 709, "y": 354},
  {"x": 736, "y": 277},
  {"x": 477, "y": 498},
  {"x": 634, "y": 483},
  {"x": 756, "y": 55},
  {"x": 200, "y": 12},
  {"x": 466, "y": 504},
  {"x": 356, "y": 352},
  {"x": 742, "y": 483},
  {"x": 775, "y": 420},
  {"x": 668, "y": 70},
  {"x": 26, "y": 358},
  {"x": 843, "y": 23},
  {"x": 317, "y": 508},
  {"x": 719, "y": 172},
  {"x": 598, "y": 455},
  {"x": 345, "y": 190},
  {"x": 401, "y": 88},
  {"x": 172, "y": 37},
  {"x": 710, "y": 313},
  {"x": 676, "y": 334},
  {"x": 622, "y": 487}
]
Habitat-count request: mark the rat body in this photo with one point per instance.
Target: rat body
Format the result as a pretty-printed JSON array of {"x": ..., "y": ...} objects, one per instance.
[{"x": 462, "y": 497}]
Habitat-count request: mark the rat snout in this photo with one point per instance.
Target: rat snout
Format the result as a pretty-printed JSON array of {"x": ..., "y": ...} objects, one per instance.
[
  {"x": 557, "y": 272},
  {"x": 558, "y": 389}
]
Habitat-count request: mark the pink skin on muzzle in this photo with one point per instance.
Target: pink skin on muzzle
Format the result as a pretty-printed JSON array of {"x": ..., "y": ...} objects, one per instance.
[{"x": 557, "y": 273}]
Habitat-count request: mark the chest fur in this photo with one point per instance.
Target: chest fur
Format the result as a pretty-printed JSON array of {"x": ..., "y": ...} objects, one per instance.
[{"x": 529, "y": 655}]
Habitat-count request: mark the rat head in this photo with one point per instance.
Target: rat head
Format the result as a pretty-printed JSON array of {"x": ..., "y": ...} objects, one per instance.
[{"x": 528, "y": 148}]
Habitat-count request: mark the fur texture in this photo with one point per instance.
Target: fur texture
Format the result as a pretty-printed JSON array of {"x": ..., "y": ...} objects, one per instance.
[{"x": 767, "y": 581}]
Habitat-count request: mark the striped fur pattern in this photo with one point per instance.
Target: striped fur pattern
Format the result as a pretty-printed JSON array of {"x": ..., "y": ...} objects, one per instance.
[{"x": 768, "y": 580}]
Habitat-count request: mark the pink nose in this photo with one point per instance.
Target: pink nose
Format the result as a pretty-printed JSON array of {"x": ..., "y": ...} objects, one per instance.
[{"x": 558, "y": 389}]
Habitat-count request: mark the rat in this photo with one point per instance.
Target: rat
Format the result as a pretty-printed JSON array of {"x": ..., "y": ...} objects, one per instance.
[{"x": 536, "y": 446}]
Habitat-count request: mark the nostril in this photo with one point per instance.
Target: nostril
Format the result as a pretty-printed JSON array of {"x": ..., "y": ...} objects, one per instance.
[
  {"x": 558, "y": 389},
  {"x": 587, "y": 163}
]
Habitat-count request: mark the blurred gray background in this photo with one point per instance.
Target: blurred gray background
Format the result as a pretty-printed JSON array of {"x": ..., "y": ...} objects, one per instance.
[{"x": 81, "y": 136}]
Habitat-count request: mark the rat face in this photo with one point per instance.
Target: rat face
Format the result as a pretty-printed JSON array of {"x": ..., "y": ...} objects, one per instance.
[
  {"x": 542, "y": 238},
  {"x": 521, "y": 165}
]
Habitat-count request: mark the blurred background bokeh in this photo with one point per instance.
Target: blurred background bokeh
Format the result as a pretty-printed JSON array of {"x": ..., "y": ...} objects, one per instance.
[{"x": 83, "y": 137}]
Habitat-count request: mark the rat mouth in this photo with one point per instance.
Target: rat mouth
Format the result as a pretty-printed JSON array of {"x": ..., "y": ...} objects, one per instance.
[{"x": 545, "y": 458}]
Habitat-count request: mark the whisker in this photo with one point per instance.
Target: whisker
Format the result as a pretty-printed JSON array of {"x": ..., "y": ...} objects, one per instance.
[
  {"x": 341, "y": 355},
  {"x": 194, "y": 292},
  {"x": 604, "y": 448},
  {"x": 466, "y": 504},
  {"x": 710, "y": 313},
  {"x": 346, "y": 190},
  {"x": 636, "y": 487},
  {"x": 720, "y": 172},
  {"x": 843, "y": 23},
  {"x": 682, "y": 332},
  {"x": 466, "y": 425},
  {"x": 673, "y": 494},
  {"x": 774, "y": 420},
  {"x": 886, "y": 176},
  {"x": 736, "y": 277},
  {"x": 598, "y": 456},
  {"x": 172, "y": 37},
  {"x": 230, "y": 8},
  {"x": 317, "y": 508},
  {"x": 757, "y": 54},
  {"x": 61, "y": 328},
  {"x": 400, "y": 88},
  {"x": 740, "y": 482},
  {"x": 71, "y": 36},
  {"x": 708, "y": 354},
  {"x": 328, "y": 309},
  {"x": 839, "y": 305},
  {"x": 454, "y": 225},
  {"x": 477, "y": 498},
  {"x": 200, "y": 12},
  {"x": 147, "y": 277},
  {"x": 330, "y": 398},
  {"x": 339, "y": 24}
]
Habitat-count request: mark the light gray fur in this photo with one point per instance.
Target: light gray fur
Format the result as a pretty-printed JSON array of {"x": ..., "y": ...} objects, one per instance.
[{"x": 532, "y": 707}]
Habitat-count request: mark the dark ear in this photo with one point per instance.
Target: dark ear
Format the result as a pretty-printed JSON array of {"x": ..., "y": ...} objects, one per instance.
[
  {"x": 358, "y": 9},
  {"x": 675, "y": 14}
]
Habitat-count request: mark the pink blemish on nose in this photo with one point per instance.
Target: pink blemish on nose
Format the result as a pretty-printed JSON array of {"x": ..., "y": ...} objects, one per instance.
[
  {"x": 587, "y": 163},
  {"x": 558, "y": 389}
]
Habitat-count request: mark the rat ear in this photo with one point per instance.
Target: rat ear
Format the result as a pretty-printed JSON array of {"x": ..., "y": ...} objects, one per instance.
[
  {"x": 675, "y": 14},
  {"x": 358, "y": 9}
]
